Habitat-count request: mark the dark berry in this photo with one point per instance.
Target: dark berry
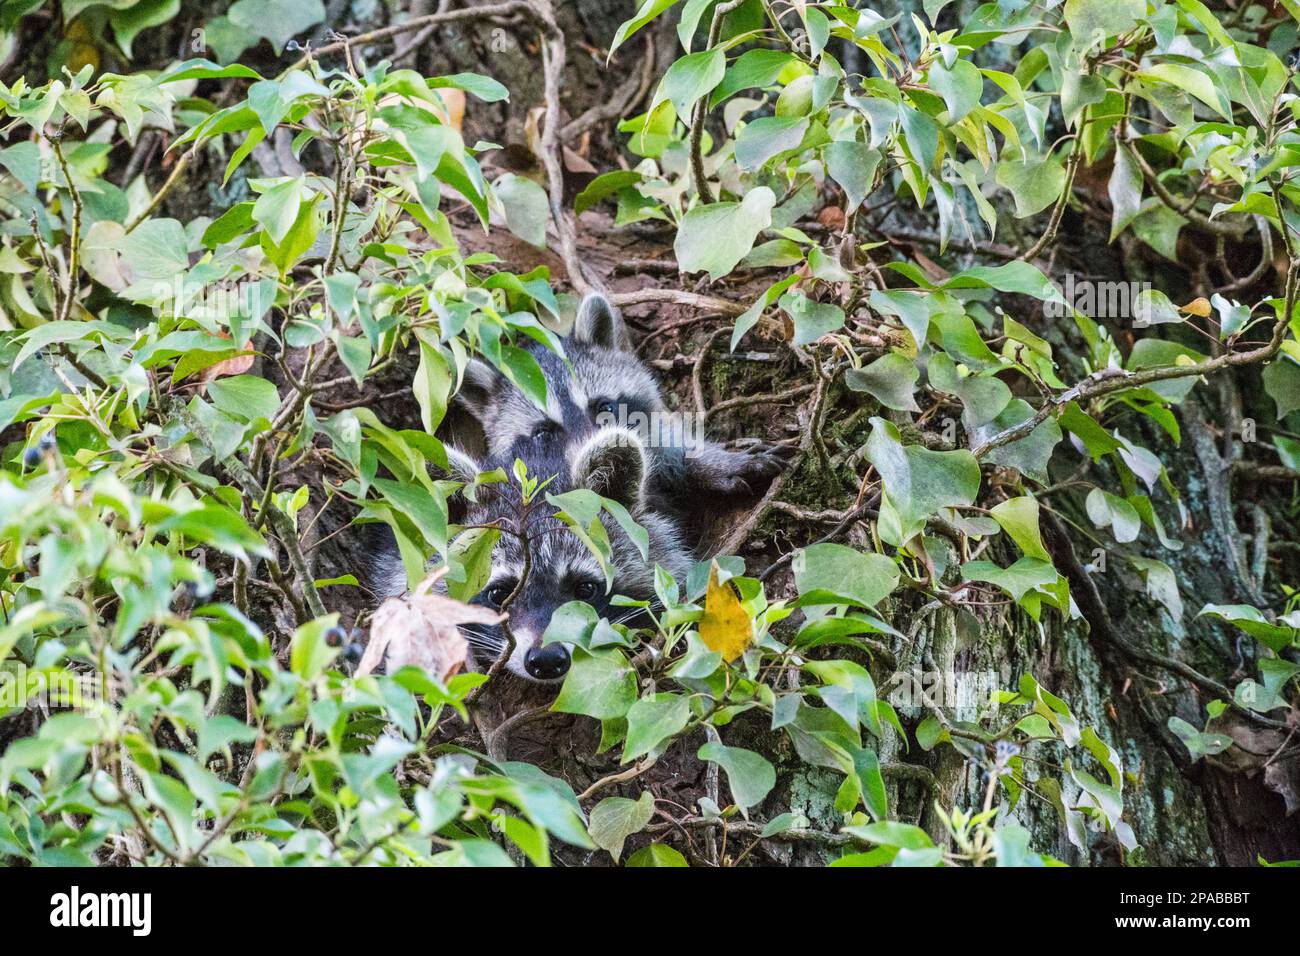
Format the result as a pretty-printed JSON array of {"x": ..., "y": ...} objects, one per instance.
[
  {"x": 31, "y": 457},
  {"x": 354, "y": 652},
  {"x": 47, "y": 442},
  {"x": 335, "y": 636}
]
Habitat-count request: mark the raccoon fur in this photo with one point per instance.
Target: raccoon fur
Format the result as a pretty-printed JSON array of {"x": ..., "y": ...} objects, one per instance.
[
  {"x": 611, "y": 462},
  {"x": 604, "y": 383}
]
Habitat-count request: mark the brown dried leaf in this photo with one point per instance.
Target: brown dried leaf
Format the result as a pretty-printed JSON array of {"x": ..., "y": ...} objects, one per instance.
[
  {"x": 237, "y": 365},
  {"x": 422, "y": 630},
  {"x": 1199, "y": 306}
]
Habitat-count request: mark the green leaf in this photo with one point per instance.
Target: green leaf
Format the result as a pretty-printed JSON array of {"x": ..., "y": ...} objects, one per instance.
[
  {"x": 1199, "y": 744},
  {"x": 811, "y": 319},
  {"x": 277, "y": 208},
  {"x": 653, "y": 720},
  {"x": 615, "y": 819},
  {"x": 140, "y": 16},
  {"x": 23, "y": 160},
  {"x": 309, "y": 654},
  {"x": 852, "y": 165},
  {"x": 1253, "y": 622},
  {"x": 648, "y": 10},
  {"x": 1107, "y": 17},
  {"x": 1107, "y": 510},
  {"x": 600, "y": 684},
  {"x": 917, "y": 481},
  {"x": 277, "y": 20},
  {"x": 750, "y": 775},
  {"x": 473, "y": 548},
  {"x": 526, "y": 206},
  {"x": 1033, "y": 184},
  {"x": 1018, "y": 517},
  {"x": 764, "y": 138},
  {"x": 606, "y": 184},
  {"x": 1024, "y": 576},
  {"x": 155, "y": 249},
  {"x": 715, "y": 237},
  {"x": 837, "y": 574},
  {"x": 1282, "y": 383},
  {"x": 960, "y": 86},
  {"x": 691, "y": 77},
  {"x": 1125, "y": 191},
  {"x": 656, "y": 854},
  {"x": 245, "y": 396},
  {"x": 890, "y": 379},
  {"x": 1162, "y": 585}
]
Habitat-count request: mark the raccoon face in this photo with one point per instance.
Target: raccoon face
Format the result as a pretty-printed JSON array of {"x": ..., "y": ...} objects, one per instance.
[
  {"x": 613, "y": 463},
  {"x": 601, "y": 378}
]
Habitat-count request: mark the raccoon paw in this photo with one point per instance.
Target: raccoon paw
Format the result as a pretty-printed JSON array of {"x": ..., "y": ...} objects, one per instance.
[{"x": 743, "y": 472}]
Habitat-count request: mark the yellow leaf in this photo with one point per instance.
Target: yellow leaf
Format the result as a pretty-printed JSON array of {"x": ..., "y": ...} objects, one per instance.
[
  {"x": 1199, "y": 307},
  {"x": 725, "y": 627}
]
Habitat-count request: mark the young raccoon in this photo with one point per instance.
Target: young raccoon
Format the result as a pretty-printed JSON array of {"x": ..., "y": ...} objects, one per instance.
[
  {"x": 605, "y": 383},
  {"x": 611, "y": 462}
]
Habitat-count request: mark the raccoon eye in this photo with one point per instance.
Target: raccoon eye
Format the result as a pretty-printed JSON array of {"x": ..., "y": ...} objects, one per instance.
[
  {"x": 585, "y": 590},
  {"x": 605, "y": 407},
  {"x": 497, "y": 593},
  {"x": 543, "y": 431}
]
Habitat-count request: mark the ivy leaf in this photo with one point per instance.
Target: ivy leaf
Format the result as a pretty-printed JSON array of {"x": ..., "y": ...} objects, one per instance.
[
  {"x": 750, "y": 775},
  {"x": 1199, "y": 744},
  {"x": 1022, "y": 577},
  {"x": 277, "y": 20},
  {"x": 1029, "y": 454},
  {"x": 600, "y": 684},
  {"x": 656, "y": 855},
  {"x": 764, "y": 138},
  {"x": 1125, "y": 191},
  {"x": 713, "y": 238},
  {"x": 917, "y": 481},
  {"x": 1108, "y": 510},
  {"x": 615, "y": 819},
  {"x": 1033, "y": 184},
  {"x": 691, "y": 77},
  {"x": 526, "y": 207},
  {"x": 1018, "y": 517},
  {"x": 245, "y": 396},
  {"x": 811, "y": 319},
  {"x": 725, "y": 627},
  {"x": 831, "y": 573},
  {"x": 1254, "y": 623},
  {"x": 1282, "y": 383},
  {"x": 1162, "y": 585},
  {"x": 1107, "y": 17},
  {"x": 653, "y": 720},
  {"x": 960, "y": 86},
  {"x": 890, "y": 379},
  {"x": 852, "y": 165}
]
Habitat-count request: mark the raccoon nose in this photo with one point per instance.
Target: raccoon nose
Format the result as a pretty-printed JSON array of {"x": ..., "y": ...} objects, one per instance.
[{"x": 547, "y": 663}]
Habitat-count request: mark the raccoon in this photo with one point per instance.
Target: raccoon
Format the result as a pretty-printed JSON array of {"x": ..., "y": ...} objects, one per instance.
[
  {"x": 612, "y": 462},
  {"x": 604, "y": 383}
]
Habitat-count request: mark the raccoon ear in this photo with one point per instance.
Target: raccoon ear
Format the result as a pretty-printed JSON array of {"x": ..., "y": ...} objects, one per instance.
[
  {"x": 479, "y": 383},
  {"x": 613, "y": 463},
  {"x": 600, "y": 324}
]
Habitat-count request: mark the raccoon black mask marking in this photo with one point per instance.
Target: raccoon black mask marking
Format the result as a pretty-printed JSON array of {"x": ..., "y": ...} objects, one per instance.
[
  {"x": 613, "y": 463},
  {"x": 606, "y": 383}
]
